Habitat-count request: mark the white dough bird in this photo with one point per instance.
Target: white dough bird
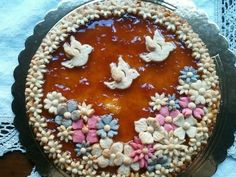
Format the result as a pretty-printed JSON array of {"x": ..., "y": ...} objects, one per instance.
[
  {"x": 122, "y": 75},
  {"x": 78, "y": 53},
  {"x": 158, "y": 49}
]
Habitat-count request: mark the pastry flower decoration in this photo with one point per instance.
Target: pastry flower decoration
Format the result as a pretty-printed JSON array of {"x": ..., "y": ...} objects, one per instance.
[
  {"x": 66, "y": 113},
  {"x": 186, "y": 127},
  {"x": 77, "y": 53},
  {"x": 122, "y": 75},
  {"x": 107, "y": 126},
  {"x": 85, "y": 110},
  {"x": 191, "y": 109},
  {"x": 141, "y": 152},
  {"x": 108, "y": 153},
  {"x": 158, "y": 49},
  {"x": 158, "y": 100},
  {"x": 52, "y": 101},
  {"x": 85, "y": 131},
  {"x": 149, "y": 130},
  {"x": 166, "y": 118}
]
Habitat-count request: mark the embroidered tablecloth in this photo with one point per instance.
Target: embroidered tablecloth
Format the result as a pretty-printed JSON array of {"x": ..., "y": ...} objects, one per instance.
[{"x": 18, "y": 19}]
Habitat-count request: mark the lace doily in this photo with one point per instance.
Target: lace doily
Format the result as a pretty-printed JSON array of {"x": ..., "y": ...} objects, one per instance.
[
  {"x": 9, "y": 139},
  {"x": 34, "y": 173},
  {"x": 226, "y": 19}
]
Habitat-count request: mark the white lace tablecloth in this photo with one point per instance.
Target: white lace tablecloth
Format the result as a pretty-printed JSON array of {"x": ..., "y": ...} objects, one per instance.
[{"x": 18, "y": 18}]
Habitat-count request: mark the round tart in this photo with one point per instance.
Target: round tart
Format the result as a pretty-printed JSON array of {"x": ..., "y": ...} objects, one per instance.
[{"x": 122, "y": 88}]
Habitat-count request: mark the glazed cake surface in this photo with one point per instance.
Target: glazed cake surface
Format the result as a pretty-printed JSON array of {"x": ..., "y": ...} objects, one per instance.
[{"x": 122, "y": 88}]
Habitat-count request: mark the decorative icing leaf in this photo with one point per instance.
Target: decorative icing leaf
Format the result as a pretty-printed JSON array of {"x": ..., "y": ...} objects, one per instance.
[
  {"x": 124, "y": 170},
  {"x": 191, "y": 132},
  {"x": 157, "y": 136},
  {"x": 106, "y": 143},
  {"x": 127, "y": 149},
  {"x": 103, "y": 162},
  {"x": 191, "y": 120},
  {"x": 146, "y": 137},
  {"x": 180, "y": 133},
  {"x": 179, "y": 120},
  {"x": 72, "y": 105},
  {"x": 96, "y": 150},
  {"x": 135, "y": 166},
  {"x": 119, "y": 159},
  {"x": 116, "y": 147},
  {"x": 140, "y": 125}
]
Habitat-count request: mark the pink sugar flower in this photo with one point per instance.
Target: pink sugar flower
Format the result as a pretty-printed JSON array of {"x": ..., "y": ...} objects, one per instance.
[
  {"x": 190, "y": 108},
  {"x": 85, "y": 132},
  {"x": 141, "y": 152},
  {"x": 165, "y": 118}
]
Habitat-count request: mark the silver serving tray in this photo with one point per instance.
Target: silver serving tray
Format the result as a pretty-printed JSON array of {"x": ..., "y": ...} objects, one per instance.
[{"x": 205, "y": 164}]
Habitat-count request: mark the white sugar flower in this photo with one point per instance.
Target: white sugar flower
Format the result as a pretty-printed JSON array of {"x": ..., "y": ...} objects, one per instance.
[
  {"x": 33, "y": 93},
  {"x": 89, "y": 172},
  {"x": 89, "y": 161},
  {"x": 37, "y": 64},
  {"x": 198, "y": 91},
  {"x": 52, "y": 100},
  {"x": 41, "y": 58},
  {"x": 212, "y": 96},
  {"x": 183, "y": 87},
  {"x": 183, "y": 30},
  {"x": 92, "y": 13},
  {"x": 118, "y": 10},
  {"x": 171, "y": 146},
  {"x": 127, "y": 164},
  {"x": 145, "y": 10},
  {"x": 185, "y": 126},
  {"x": 105, "y": 9},
  {"x": 34, "y": 107},
  {"x": 65, "y": 133},
  {"x": 206, "y": 65},
  {"x": 158, "y": 101},
  {"x": 212, "y": 80},
  {"x": 53, "y": 148},
  {"x": 171, "y": 23},
  {"x": 130, "y": 6},
  {"x": 149, "y": 130},
  {"x": 193, "y": 40},
  {"x": 44, "y": 136},
  {"x": 201, "y": 136},
  {"x": 63, "y": 159},
  {"x": 75, "y": 167},
  {"x": 159, "y": 17},
  {"x": 69, "y": 25},
  {"x": 85, "y": 110},
  {"x": 49, "y": 44},
  {"x": 35, "y": 79},
  {"x": 38, "y": 122},
  {"x": 56, "y": 33},
  {"x": 108, "y": 153}
]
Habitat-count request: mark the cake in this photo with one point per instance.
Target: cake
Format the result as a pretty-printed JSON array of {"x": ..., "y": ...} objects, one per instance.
[{"x": 122, "y": 88}]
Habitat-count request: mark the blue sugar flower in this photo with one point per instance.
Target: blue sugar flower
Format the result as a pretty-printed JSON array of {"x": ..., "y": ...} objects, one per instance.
[
  {"x": 189, "y": 74},
  {"x": 83, "y": 148},
  {"x": 66, "y": 113},
  {"x": 107, "y": 126},
  {"x": 172, "y": 102},
  {"x": 155, "y": 161}
]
